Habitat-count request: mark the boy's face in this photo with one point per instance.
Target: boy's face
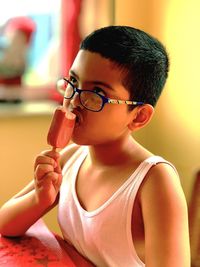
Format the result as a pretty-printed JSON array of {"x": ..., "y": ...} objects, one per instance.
[{"x": 90, "y": 71}]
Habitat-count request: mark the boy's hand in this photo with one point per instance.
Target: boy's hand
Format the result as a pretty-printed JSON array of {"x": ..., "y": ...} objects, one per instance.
[{"x": 48, "y": 177}]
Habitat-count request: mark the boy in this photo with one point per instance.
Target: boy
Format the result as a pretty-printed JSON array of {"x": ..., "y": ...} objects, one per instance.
[{"x": 119, "y": 205}]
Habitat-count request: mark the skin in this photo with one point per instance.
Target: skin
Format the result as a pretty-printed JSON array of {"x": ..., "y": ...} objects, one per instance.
[{"x": 160, "y": 233}]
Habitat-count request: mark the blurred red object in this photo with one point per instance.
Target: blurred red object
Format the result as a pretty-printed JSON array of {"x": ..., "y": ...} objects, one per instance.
[
  {"x": 24, "y": 24},
  {"x": 18, "y": 31}
]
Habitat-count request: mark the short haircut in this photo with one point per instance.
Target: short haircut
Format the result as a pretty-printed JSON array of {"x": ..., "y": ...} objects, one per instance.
[{"x": 142, "y": 59}]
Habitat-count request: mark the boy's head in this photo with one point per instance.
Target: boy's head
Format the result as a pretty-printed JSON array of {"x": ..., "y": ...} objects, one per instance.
[{"x": 142, "y": 59}]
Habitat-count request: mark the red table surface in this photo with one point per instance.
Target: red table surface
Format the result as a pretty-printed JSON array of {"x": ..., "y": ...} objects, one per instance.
[{"x": 39, "y": 247}]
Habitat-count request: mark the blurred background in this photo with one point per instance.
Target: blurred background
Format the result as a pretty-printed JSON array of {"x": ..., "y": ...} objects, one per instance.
[{"x": 49, "y": 40}]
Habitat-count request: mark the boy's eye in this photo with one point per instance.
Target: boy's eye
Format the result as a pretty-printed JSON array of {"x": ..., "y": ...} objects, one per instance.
[
  {"x": 73, "y": 80},
  {"x": 95, "y": 89}
]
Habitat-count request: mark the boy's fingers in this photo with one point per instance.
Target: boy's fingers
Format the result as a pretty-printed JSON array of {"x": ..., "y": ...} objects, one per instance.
[
  {"x": 57, "y": 168},
  {"x": 49, "y": 178},
  {"x": 45, "y": 160},
  {"x": 51, "y": 153},
  {"x": 43, "y": 169}
]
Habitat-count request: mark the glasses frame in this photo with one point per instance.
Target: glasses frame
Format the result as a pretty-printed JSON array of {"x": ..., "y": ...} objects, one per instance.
[{"x": 105, "y": 100}]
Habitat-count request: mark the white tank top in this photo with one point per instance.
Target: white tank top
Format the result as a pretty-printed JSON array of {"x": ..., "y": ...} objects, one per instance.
[{"x": 104, "y": 235}]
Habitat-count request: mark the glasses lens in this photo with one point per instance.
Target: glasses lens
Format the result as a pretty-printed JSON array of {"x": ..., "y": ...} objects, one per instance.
[
  {"x": 65, "y": 88},
  {"x": 91, "y": 100}
]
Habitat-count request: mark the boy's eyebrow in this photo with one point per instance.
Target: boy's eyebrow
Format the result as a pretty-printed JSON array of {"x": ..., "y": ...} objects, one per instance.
[
  {"x": 106, "y": 85},
  {"x": 96, "y": 82},
  {"x": 73, "y": 73}
]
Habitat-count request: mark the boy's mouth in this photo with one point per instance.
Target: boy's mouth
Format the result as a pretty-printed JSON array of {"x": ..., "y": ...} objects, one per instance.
[
  {"x": 78, "y": 117},
  {"x": 77, "y": 120}
]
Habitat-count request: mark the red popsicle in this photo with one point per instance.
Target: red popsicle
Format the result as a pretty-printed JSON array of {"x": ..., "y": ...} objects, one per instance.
[{"x": 61, "y": 128}]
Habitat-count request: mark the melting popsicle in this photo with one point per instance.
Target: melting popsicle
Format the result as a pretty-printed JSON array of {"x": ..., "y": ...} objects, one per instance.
[{"x": 61, "y": 128}]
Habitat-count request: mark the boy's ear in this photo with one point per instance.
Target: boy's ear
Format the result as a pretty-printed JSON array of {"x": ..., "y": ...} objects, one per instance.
[{"x": 141, "y": 117}]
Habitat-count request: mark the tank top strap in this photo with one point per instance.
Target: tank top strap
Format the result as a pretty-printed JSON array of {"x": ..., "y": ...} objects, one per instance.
[
  {"x": 79, "y": 154},
  {"x": 145, "y": 166}
]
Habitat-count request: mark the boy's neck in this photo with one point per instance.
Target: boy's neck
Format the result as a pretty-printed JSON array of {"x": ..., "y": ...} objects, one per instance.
[{"x": 115, "y": 153}]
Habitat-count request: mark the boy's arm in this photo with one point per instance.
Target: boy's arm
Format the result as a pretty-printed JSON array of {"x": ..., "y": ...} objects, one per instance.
[
  {"x": 31, "y": 203},
  {"x": 20, "y": 212},
  {"x": 38, "y": 197},
  {"x": 165, "y": 218}
]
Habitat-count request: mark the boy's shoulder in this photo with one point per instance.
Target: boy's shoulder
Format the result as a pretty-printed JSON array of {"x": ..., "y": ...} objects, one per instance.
[
  {"x": 162, "y": 173},
  {"x": 162, "y": 185}
]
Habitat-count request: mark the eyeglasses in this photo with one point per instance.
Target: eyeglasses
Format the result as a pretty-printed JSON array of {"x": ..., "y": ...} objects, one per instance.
[{"x": 89, "y": 99}]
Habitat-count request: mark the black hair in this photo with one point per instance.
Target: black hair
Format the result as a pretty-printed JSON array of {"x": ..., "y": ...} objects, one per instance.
[{"x": 142, "y": 59}]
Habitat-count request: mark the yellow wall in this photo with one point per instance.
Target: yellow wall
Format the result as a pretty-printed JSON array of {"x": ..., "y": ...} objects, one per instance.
[
  {"x": 175, "y": 130},
  {"x": 21, "y": 139}
]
